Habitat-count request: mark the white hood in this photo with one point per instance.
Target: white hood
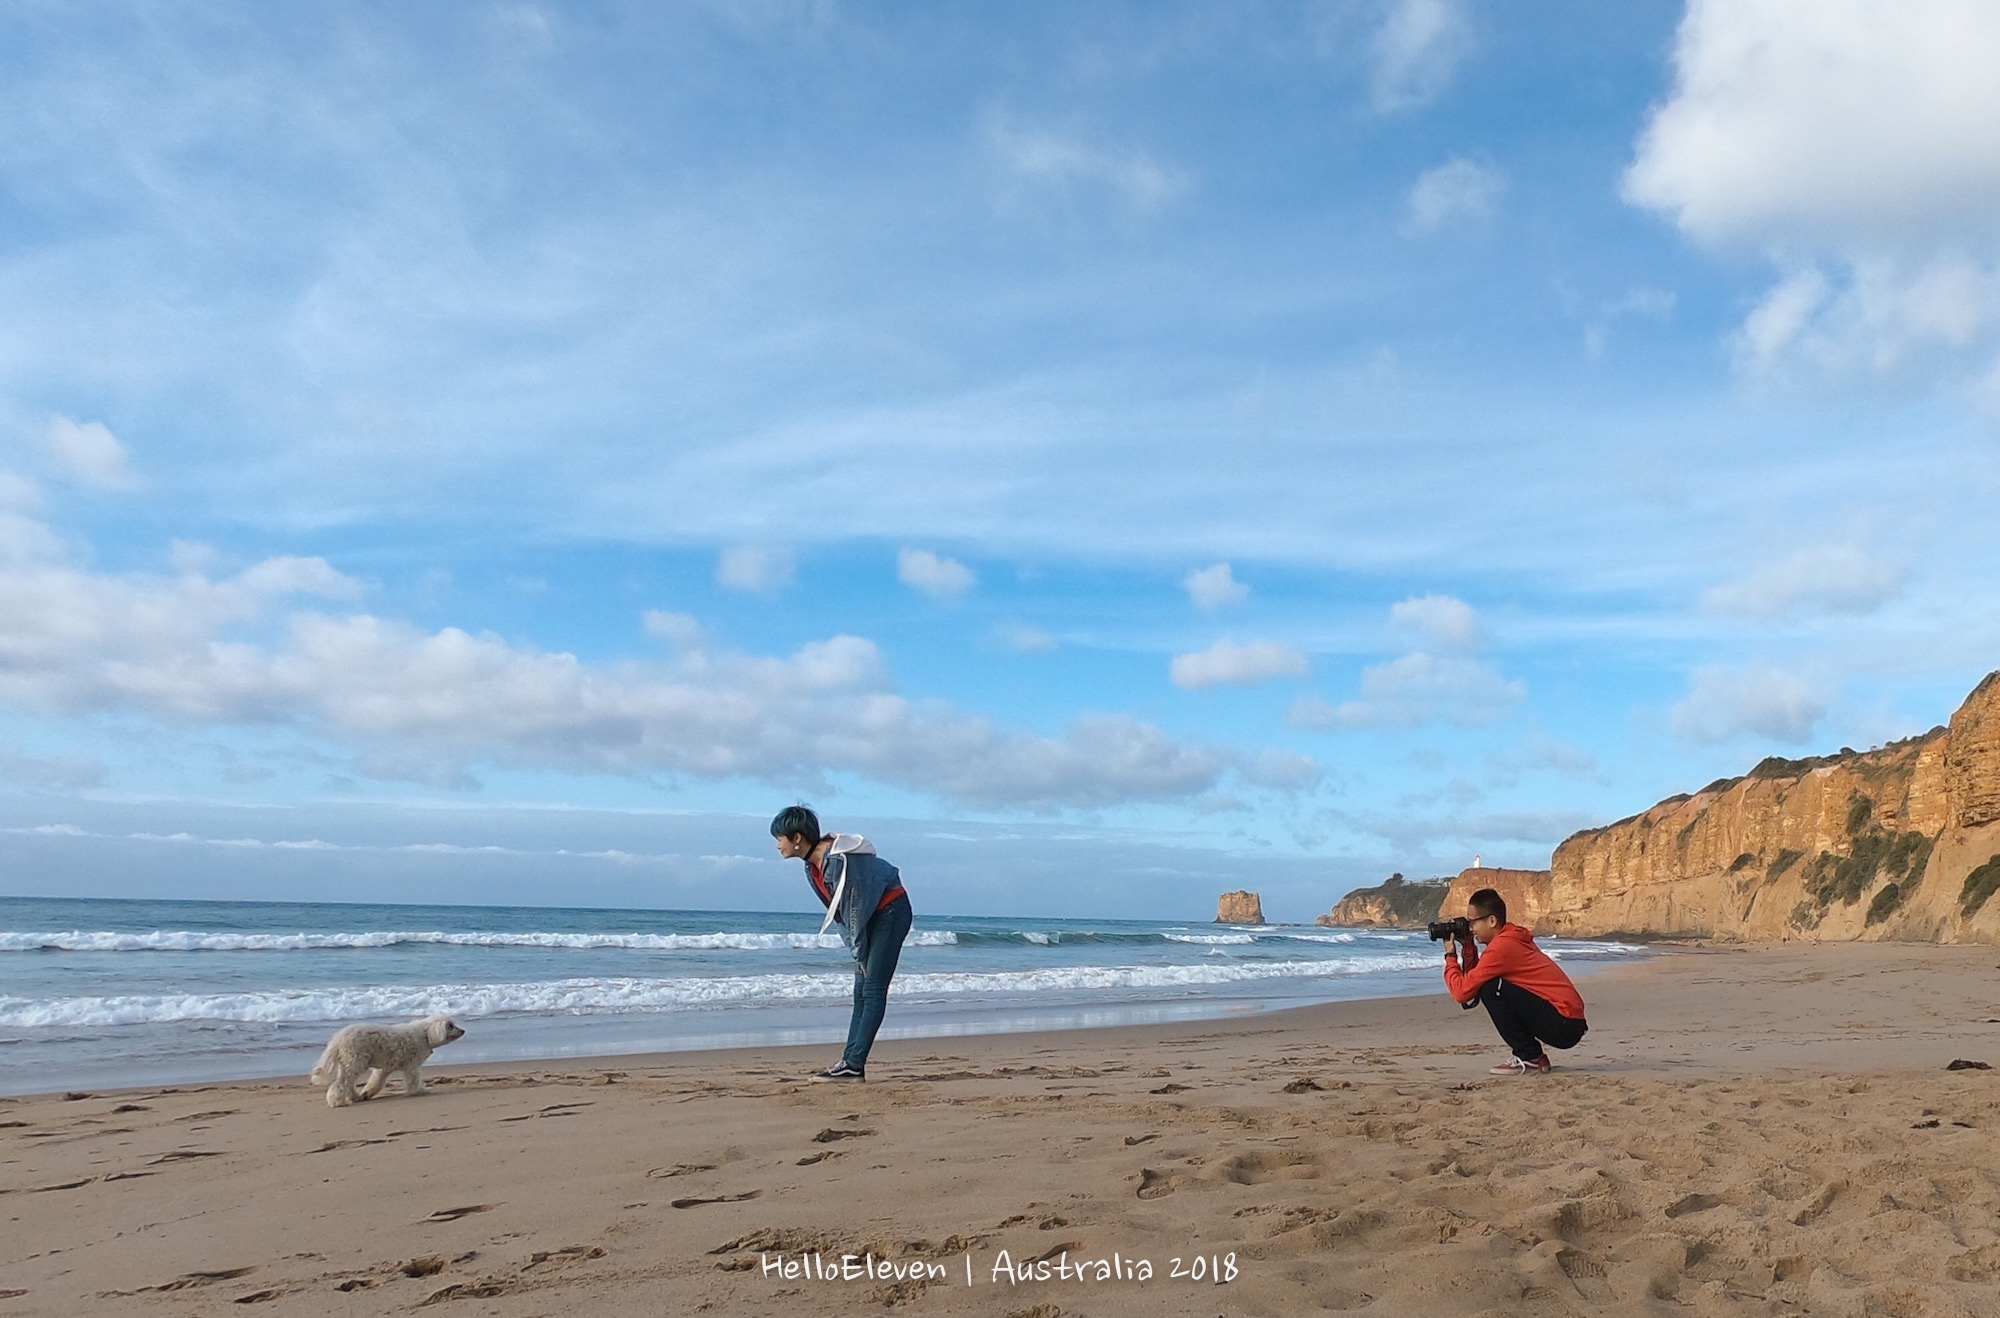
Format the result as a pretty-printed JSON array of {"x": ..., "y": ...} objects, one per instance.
[{"x": 844, "y": 844}]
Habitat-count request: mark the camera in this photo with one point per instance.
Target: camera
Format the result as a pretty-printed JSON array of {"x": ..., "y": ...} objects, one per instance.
[{"x": 1456, "y": 927}]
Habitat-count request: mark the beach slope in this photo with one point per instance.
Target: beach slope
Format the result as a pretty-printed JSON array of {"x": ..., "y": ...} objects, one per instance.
[{"x": 1745, "y": 1130}]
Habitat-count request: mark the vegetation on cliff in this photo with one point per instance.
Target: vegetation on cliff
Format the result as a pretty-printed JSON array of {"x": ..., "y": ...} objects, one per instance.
[
  {"x": 1896, "y": 842},
  {"x": 1395, "y": 903},
  {"x": 1871, "y": 852}
]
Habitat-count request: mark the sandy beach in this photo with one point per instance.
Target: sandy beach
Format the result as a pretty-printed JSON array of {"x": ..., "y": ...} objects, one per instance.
[{"x": 1745, "y": 1130}]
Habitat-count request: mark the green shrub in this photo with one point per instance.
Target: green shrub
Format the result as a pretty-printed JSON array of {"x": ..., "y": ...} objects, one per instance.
[
  {"x": 1832, "y": 878},
  {"x": 1786, "y": 859},
  {"x": 1742, "y": 862},
  {"x": 1885, "y": 904},
  {"x": 1979, "y": 885},
  {"x": 1858, "y": 815}
]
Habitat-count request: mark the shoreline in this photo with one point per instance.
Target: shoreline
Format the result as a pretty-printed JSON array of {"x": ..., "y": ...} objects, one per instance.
[
  {"x": 1737, "y": 1127},
  {"x": 942, "y": 1028}
]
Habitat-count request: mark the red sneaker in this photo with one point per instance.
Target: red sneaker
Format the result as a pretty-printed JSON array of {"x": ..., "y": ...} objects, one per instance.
[{"x": 1515, "y": 1066}]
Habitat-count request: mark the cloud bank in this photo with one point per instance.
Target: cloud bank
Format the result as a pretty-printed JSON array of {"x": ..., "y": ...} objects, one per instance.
[{"x": 1857, "y": 144}]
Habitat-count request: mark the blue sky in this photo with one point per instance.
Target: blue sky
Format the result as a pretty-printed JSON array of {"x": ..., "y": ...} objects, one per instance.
[{"x": 1109, "y": 452}]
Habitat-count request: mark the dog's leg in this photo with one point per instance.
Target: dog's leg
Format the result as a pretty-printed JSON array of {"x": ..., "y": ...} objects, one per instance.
[
  {"x": 339, "y": 1093},
  {"x": 413, "y": 1080},
  {"x": 373, "y": 1084}
]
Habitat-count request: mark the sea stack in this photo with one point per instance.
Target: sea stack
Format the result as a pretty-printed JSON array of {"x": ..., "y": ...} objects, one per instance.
[{"x": 1239, "y": 908}]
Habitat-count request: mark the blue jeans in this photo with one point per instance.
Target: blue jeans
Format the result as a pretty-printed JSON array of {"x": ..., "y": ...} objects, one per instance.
[{"x": 886, "y": 932}]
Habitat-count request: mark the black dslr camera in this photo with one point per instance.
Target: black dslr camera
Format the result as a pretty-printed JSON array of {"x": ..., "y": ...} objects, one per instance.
[{"x": 1456, "y": 927}]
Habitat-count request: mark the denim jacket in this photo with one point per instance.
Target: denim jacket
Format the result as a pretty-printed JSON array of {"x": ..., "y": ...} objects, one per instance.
[{"x": 859, "y": 880}]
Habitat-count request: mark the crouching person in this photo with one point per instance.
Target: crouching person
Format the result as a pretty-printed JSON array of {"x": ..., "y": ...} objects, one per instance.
[{"x": 1532, "y": 1002}]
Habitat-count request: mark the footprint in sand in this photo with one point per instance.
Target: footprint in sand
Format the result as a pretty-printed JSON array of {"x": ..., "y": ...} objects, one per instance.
[
  {"x": 832, "y": 1133},
  {"x": 718, "y": 1199},
  {"x": 1130, "y": 1140},
  {"x": 1257, "y": 1168},
  {"x": 681, "y": 1169},
  {"x": 1155, "y": 1184},
  {"x": 453, "y": 1214},
  {"x": 188, "y": 1280},
  {"x": 552, "y": 1110},
  {"x": 1694, "y": 1203}
]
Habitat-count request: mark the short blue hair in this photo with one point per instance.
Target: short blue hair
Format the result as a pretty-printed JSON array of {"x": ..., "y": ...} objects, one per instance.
[{"x": 796, "y": 821}]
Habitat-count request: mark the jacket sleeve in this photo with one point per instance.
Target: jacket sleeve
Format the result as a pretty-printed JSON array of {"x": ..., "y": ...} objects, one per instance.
[{"x": 1464, "y": 982}]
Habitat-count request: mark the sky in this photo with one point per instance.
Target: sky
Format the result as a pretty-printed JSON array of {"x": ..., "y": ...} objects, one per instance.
[{"x": 1108, "y": 453}]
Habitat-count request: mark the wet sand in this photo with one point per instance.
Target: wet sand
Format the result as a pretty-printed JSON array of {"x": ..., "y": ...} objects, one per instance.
[{"x": 1766, "y": 1130}]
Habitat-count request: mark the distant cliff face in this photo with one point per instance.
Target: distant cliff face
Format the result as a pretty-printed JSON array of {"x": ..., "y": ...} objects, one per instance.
[
  {"x": 1897, "y": 843},
  {"x": 1395, "y": 904},
  {"x": 1239, "y": 908},
  {"x": 1526, "y": 893}
]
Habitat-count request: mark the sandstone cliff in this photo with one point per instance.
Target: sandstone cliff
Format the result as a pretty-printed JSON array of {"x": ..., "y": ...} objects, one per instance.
[
  {"x": 1396, "y": 903},
  {"x": 1526, "y": 893},
  {"x": 1239, "y": 908},
  {"x": 1897, "y": 843}
]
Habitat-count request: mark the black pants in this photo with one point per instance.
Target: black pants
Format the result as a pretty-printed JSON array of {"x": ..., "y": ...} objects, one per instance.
[{"x": 1527, "y": 1021}]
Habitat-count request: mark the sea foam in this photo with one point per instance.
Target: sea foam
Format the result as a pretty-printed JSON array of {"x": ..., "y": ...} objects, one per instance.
[{"x": 616, "y": 995}]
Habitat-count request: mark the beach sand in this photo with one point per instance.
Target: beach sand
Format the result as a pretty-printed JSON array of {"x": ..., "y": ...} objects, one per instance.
[{"x": 1745, "y": 1130}]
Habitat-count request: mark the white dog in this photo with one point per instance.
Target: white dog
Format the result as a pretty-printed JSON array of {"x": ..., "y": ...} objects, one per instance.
[{"x": 377, "y": 1052}]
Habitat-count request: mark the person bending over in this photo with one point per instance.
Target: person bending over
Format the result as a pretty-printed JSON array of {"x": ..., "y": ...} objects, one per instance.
[
  {"x": 864, "y": 895},
  {"x": 1532, "y": 1002}
]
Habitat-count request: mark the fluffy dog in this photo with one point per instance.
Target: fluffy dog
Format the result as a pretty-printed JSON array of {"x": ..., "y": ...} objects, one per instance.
[{"x": 376, "y": 1052}]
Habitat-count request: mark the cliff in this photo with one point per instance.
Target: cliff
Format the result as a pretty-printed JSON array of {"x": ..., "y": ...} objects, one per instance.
[
  {"x": 1239, "y": 908},
  {"x": 1396, "y": 903},
  {"x": 1526, "y": 893},
  {"x": 1897, "y": 843}
]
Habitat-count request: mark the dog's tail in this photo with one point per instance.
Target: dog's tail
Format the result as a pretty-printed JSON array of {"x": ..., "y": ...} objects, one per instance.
[{"x": 329, "y": 1062}]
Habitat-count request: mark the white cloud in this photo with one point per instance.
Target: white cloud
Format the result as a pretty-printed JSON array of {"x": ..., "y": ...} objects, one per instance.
[
  {"x": 676, "y": 629},
  {"x": 1822, "y": 579},
  {"x": 1441, "y": 620},
  {"x": 1215, "y": 587},
  {"x": 1054, "y": 158},
  {"x": 1227, "y": 663},
  {"x": 1456, "y": 190},
  {"x": 428, "y": 706},
  {"x": 1418, "y": 688},
  {"x": 1841, "y": 122},
  {"x": 1417, "y": 49},
  {"x": 42, "y": 774},
  {"x": 1756, "y": 700},
  {"x": 940, "y": 578},
  {"x": 757, "y": 569},
  {"x": 88, "y": 453},
  {"x": 17, "y": 492},
  {"x": 1284, "y": 771},
  {"x": 1023, "y": 639},
  {"x": 1858, "y": 143}
]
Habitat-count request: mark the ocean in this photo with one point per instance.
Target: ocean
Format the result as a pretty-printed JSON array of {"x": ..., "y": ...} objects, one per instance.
[{"x": 99, "y": 993}]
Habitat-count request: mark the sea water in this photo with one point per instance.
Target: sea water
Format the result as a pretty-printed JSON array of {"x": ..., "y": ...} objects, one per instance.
[{"x": 99, "y": 993}]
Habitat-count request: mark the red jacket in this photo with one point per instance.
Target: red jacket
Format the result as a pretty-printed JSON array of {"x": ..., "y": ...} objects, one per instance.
[{"x": 1512, "y": 956}]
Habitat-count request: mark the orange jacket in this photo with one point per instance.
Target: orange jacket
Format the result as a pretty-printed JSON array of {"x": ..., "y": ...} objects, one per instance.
[{"x": 1512, "y": 956}]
